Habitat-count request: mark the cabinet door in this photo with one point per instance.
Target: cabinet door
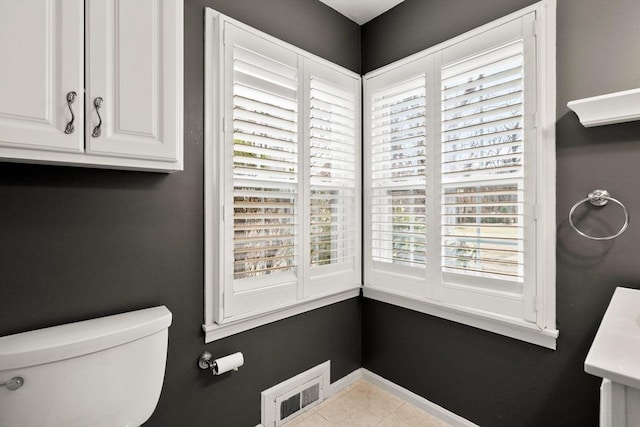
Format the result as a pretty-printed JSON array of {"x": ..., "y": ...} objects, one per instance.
[
  {"x": 134, "y": 64},
  {"x": 41, "y": 50}
]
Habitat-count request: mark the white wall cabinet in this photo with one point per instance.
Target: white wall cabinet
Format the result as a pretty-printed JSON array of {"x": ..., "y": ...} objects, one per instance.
[{"x": 123, "y": 60}]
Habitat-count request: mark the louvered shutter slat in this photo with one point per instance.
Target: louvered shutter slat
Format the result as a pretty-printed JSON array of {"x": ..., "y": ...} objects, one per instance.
[
  {"x": 337, "y": 100},
  {"x": 333, "y": 127},
  {"x": 320, "y": 143},
  {"x": 465, "y": 70},
  {"x": 285, "y": 106},
  {"x": 241, "y": 102},
  {"x": 337, "y": 112},
  {"x": 501, "y": 75},
  {"x": 269, "y": 151},
  {"x": 480, "y": 94},
  {"x": 505, "y": 109}
]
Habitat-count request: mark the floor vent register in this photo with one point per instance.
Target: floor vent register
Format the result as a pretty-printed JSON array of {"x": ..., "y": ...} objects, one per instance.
[{"x": 294, "y": 396}]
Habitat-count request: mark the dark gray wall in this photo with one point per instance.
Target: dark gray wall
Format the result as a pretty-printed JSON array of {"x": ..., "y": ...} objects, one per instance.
[
  {"x": 489, "y": 379},
  {"x": 415, "y": 25},
  {"x": 80, "y": 243}
]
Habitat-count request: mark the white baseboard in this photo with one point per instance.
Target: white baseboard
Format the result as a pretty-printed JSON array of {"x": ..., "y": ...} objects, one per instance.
[
  {"x": 401, "y": 392},
  {"x": 345, "y": 381}
]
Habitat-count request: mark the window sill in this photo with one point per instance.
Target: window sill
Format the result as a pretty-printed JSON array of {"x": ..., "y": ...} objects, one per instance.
[
  {"x": 513, "y": 328},
  {"x": 215, "y": 331}
]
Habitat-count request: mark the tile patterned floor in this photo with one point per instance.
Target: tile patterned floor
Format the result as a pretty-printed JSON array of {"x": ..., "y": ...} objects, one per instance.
[{"x": 363, "y": 404}]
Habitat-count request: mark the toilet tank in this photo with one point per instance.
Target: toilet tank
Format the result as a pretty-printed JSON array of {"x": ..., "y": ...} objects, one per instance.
[{"x": 95, "y": 373}]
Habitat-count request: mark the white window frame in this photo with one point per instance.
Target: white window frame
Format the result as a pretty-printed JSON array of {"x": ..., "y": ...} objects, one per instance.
[
  {"x": 540, "y": 330},
  {"x": 317, "y": 286}
]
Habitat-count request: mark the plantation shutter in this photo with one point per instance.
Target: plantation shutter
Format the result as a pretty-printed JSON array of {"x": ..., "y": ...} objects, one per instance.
[
  {"x": 334, "y": 175},
  {"x": 397, "y": 121},
  {"x": 482, "y": 165},
  {"x": 265, "y": 173},
  {"x": 398, "y": 173},
  {"x": 485, "y": 169},
  {"x": 458, "y": 168}
]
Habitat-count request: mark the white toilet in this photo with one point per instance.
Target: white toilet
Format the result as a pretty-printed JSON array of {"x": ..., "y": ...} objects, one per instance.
[{"x": 104, "y": 372}]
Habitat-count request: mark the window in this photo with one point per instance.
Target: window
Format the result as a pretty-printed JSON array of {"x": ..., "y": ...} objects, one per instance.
[
  {"x": 282, "y": 180},
  {"x": 459, "y": 175},
  {"x": 459, "y": 166}
]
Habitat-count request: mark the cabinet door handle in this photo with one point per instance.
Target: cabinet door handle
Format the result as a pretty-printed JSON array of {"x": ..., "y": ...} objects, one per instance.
[
  {"x": 97, "y": 130},
  {"x": 71, "y": 98}
]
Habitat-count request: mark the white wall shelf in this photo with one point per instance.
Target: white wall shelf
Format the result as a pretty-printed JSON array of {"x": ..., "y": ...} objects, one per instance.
[{"x": 618, "y": 107}]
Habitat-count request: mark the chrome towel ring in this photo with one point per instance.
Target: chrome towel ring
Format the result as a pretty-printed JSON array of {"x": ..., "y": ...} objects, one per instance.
[{"x": 599, "y": 198}]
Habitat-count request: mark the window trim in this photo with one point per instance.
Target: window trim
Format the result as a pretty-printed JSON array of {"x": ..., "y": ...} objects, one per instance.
[
  {"x": 214, "y": 227},
  {"x": 214, "y": 331},
  {"x": 543, "y": 332},
  {"x": 509, "y": 327}
]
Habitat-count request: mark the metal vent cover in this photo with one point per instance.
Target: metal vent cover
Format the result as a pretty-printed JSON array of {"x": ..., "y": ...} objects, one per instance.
[{"x": 294, "y": 396}]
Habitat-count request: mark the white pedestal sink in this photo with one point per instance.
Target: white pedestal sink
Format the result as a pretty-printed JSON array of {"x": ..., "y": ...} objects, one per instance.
[{"x": 615, "y": 357}]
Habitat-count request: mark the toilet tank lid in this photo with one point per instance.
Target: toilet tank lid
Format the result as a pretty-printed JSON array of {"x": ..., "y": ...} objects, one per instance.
[{"x": 76, "y": 339}]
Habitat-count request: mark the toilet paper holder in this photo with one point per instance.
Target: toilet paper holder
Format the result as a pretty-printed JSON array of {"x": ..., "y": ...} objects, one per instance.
[
  {"x": 206, "y": 361},
  {"x": 222, "y": 365}
]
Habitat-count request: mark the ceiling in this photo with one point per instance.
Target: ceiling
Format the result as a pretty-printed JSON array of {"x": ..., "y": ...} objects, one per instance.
[{"x": 361, "y": 11}]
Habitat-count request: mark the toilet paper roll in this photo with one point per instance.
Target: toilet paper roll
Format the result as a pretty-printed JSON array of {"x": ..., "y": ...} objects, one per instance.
[{"x": 227, "y": 363}]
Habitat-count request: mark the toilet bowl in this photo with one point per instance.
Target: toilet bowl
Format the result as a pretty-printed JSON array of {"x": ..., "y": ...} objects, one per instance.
[{"x": 104, "y": 372}]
